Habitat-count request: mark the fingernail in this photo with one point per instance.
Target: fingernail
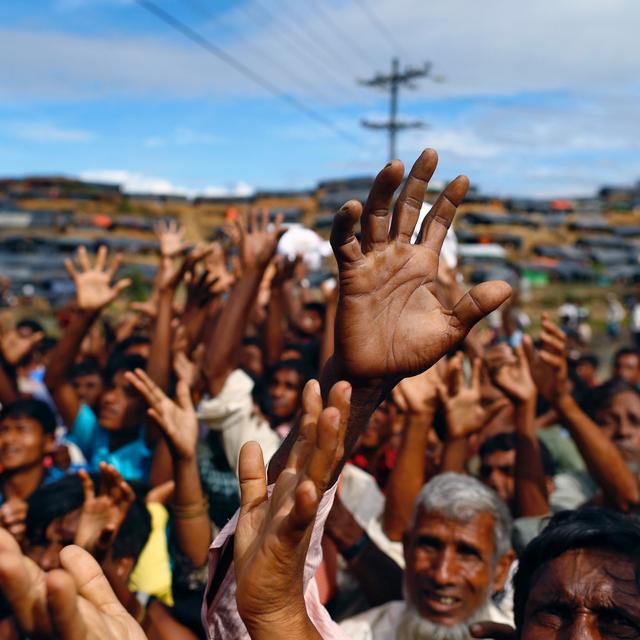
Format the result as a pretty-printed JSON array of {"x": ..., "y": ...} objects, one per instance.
[
  {"x": 388, "y": 164},
  {"x": 345, "y": 207},
  {"x": 347, "y": 393},
  {"x": 316, "y": 386}
]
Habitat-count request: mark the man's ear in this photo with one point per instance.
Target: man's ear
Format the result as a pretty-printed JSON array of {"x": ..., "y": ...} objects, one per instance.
[{"x": 502, "y": 570}]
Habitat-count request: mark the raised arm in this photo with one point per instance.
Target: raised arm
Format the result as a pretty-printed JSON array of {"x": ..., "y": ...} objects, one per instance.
[
  {"x": 604, "y": 462},
  {"x": 179, "y": 424},
  {"x": 513, "y": 376},
  {"x": 258, "y": 245},
  {"x": 94, "y": 292},
  {"x": 418, "y": 398},
  {"x": 389, "y": 323}
]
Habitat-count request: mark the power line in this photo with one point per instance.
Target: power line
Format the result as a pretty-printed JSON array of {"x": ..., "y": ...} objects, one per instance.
[
  {"x": 392, "y": 83},
  {"x": 262, "y": 53},
  {"x": 228, "y": 59},
  {"x": 380, "y": 26},
  {"x": 303, "y": 48}
]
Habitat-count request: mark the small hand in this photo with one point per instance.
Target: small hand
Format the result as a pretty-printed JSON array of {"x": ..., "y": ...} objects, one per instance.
[
  {"x": 170, "y": 238},
  {"x": 178, "y": 421},
  {"x": 494, "y": 630},
  {"x": 93, "y": 284},
  {"x": 102, "y": 515},
  {"x": 549, "y": 367},
  {"x": 72, "y": 603},
  {"x": 172, "y": 272},
  {"x": 273, "y": 534},
  {"x": 215, "y": 264},
  {"x": 513, "y": 376},
  {"x": 15, "y": 347},
  {"x": 418, "y": 394},
  {"x": 389, "y": 323},
  {"x": 258, "y": 243},
  {"x": 462, "y": 406}
]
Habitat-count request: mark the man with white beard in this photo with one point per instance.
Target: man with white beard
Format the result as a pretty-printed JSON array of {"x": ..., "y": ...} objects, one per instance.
[{"x": 458, "y": 555}]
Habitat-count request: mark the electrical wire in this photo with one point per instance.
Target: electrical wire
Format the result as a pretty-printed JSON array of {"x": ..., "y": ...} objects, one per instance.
[
  {"x": 241, "y": 68},
  {"x": 380, "y": 26}
]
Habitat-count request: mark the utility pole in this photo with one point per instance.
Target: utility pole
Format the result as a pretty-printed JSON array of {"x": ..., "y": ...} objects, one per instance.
[{"x": 392, "y": 84}]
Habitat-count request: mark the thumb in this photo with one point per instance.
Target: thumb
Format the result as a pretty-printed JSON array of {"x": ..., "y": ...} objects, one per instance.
[
  {"x": 35, "y": 338},
  {"x": 251, "y": 474},
  {"x": 479, "y": 302},
  {"x": 493, "y": 630}
]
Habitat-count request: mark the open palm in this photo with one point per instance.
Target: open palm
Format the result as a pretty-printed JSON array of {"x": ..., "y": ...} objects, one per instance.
[{"x": 389, "y": 322}]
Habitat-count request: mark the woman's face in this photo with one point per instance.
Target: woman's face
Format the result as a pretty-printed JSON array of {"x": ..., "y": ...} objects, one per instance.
[{"x": 620, "y": 420}]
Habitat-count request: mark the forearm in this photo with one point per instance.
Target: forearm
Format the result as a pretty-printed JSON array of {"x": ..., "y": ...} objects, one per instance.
[
  {"x": 407, "y": 476},
  {"x": 159, "y": 364},
  {"x": 64, "y": 353},
  {"x": 191, "y": 516},
  {"x": 530, "y": 483},
  {"x": 603, "y": 460},
  {"x": 225, "y": 342},
  {"x": 454, "y": 455},
  {"x": 274, "y": 330},
  {"x": 8, "y": 387},
  {"x": 297, "y": 626}
]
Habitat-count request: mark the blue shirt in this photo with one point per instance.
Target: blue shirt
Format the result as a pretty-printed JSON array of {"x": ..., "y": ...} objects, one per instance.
[
  {"x": 133, "y": 460},
  {"x": 50, "y": 475}
]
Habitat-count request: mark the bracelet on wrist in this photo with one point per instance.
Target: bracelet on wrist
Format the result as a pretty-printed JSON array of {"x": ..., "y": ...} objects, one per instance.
[{"x": 190, "y": 511}]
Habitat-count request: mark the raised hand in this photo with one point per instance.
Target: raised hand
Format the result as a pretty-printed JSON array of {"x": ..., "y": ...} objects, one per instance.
[
  {"x": 511, "y": 373},
  {"x": 273, "y": 534},
  {"x": 72, "y": 603},
  {"x": 178, "y": 421},
  {"x": 494, "y": 630},
  {"x": 258, "y": 243},
  {"x": 462, "y": 405},
  {"x": 389, "y": 324},
  {"x": 173, "y": 271},
  {"x": 549, "y": 367},
  {"x": 94, "y": 290},
  {"x": 14, "y": 347},
  {"x": 215, "y": 264},
  {"x": 419, "y": 394},
  {"x": 102, "y": 515},
  {"x": 170, "y": 238}
]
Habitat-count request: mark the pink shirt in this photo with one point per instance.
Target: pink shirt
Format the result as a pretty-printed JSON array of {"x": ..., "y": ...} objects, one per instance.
[{"x": 219, "y": 612}]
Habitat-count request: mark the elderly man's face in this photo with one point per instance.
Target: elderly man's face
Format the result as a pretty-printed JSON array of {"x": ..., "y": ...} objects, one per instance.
[
  {"x": 591, "y": 594},
  {"x": 450, "y": 567}
]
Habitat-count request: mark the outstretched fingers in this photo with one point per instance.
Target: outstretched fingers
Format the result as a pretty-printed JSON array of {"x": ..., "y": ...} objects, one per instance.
[
  {"x": 437, "y": 222},
  {"x": 343, "y": 238},
  {"x": 376, "y": 214},
  {"x": 411, "y": 198},
  {"x": 480, "y": 301},
  {"x": 62, "y": 603},
  {"x": 252, "y": 476}
]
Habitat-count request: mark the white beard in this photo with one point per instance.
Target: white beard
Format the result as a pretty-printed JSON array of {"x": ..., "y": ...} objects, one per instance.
[{"x": 414, "y": 627}]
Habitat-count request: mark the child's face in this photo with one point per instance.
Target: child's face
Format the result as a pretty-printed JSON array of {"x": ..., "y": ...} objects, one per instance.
[{"x": 23, "y": 443}]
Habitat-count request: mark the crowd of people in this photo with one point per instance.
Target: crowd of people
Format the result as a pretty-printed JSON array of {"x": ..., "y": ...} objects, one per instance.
[{"x": 243, "y": 457}]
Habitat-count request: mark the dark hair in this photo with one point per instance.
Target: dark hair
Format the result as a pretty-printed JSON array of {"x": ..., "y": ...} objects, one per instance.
[
  {"x": 59, "y": 498},
  {"x": 588, "y": 358},
  {"x": 29, "y": 323},
  {"x": 132, "y": 341},
  {"x": 300, "y": 366},
  {"x": 507, "y": 442},
  {"x": 318, "y": 307},
  {"x": 122, "y": 362},
  {"x": 587, "y": 528},
  {"x": 251, "y": 341},
  {"x": 30, "y": 408},
  {"x": 87, "y": 367},
  {"x": 601, "y": 397},
  {"x": 625, "y": 351}
]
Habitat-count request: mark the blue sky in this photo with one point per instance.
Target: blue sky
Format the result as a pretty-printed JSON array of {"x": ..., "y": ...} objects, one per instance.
[{"x": 539, "y": 98}]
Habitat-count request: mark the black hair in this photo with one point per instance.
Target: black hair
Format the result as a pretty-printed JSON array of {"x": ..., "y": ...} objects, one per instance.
[
  {"x": 626, "y": 351},
  {"x": 119, "y": 361},
  {"x": 601, "y": 397},
  {"x": 46, "y": 344},
  {"x": 588, "y": 528},
  {"x": 589, "y": 358},
  {"x": 30, "y": 323},
  {"x": 59, "y": 498},
  {"x": 300, "y": 366},
  {"x": 252, "y": 341},
  {"x": 87, "y": 367},
  {"x": 318, "y": 307},
  {"x": 507, "y": 442},
  {"x": 30, "y": 408}
]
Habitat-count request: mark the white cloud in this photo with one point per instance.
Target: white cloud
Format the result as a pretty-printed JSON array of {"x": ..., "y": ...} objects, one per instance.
[
  {"x": 47, "y": 132},
  {"x": 181, "y": 136},
  {"x": 134, "y": 182}
]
